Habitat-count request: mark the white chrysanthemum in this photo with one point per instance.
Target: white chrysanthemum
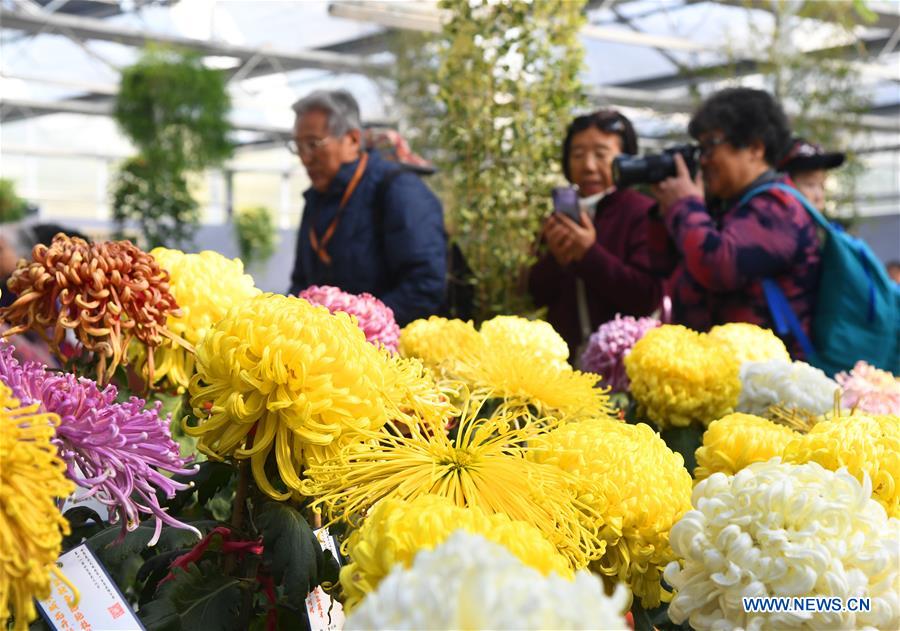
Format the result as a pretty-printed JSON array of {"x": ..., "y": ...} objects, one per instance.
[
  {"x": 793, "y": 385},
  {"x": 470, "y": 583},
  {"x": 776, "y": 529}
]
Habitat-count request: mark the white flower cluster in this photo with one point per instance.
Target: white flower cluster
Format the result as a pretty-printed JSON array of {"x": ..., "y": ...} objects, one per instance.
[
  {"x": 776, "y": 529},
  {"x": 794, "y": 385},
  {"x": 470, "y": 583}
]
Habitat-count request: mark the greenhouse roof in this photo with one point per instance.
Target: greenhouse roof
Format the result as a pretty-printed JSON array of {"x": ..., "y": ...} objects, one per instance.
[{"x": 61, "y": 62}]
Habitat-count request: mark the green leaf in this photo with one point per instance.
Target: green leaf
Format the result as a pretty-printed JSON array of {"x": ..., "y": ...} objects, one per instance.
[
  {"x": 289, "y": 619},
  {"x": 642, "y": 621},
  {"x": 122, "y": 559},
  {"x": 292, "y": 552},
  {"x": 83, "y": 524},
  {"x": 686, "y": 441},
  {"x": 211, "y": 477},
  {"x": 38, "y": 625},
  {"x": 197, "y": 598}
]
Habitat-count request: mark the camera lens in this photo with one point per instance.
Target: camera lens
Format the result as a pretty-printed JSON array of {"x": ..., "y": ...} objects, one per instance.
[{"x": 631, "y": 170}]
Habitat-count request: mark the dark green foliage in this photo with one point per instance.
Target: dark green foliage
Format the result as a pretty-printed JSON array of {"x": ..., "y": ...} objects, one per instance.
[
  {"x": 175, "y": 110},
  {"x": 157, "y": 197},
  {"x": 686, "y": 441},
  {"x": 254, "y": 229},
  {"x": 122, "y": 559},
  {"x": 12, "y": 207},
  {"x": 197, "y": 598},
  {"x": 292, "y": 553}
]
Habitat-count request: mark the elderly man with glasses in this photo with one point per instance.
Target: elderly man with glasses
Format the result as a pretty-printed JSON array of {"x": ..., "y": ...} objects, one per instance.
[{"x": 368, "y": 224}]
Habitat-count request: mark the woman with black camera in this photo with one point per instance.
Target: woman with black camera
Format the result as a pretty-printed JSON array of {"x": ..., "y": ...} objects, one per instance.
[
  {"x": 721, "y": 253},
  {"x": 598, "y": 265}
]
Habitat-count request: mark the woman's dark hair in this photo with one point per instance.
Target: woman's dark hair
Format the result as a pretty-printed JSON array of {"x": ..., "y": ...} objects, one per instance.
[
  {"x": 607, "y": 121},
  {"x": 744, "y": 115}
]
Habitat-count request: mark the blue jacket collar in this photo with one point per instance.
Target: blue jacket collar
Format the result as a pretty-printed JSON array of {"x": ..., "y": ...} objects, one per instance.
[{"x": 342, "y": 178}]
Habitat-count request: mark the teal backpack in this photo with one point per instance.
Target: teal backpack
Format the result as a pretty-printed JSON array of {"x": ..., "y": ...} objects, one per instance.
[{"x": 857, "y": 310}]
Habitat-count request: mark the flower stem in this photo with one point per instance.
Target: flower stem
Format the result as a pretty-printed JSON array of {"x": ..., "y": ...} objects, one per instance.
[{"x": 240, "y": 496}]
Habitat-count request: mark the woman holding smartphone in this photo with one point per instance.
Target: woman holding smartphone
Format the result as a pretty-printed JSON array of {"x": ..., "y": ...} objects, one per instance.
[{"x": 597, "y": 266}]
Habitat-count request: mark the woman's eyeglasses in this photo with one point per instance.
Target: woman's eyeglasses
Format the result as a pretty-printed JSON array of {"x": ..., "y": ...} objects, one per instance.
[{"x": 708, "y": 146}]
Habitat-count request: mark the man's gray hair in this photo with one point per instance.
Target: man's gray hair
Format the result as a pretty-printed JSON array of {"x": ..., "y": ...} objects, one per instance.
[{"x": 340, "y": 106}]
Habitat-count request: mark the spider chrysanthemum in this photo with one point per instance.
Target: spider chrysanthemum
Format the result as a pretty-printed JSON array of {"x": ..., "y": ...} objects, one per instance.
[
  {"x": 483, "y": 465},
  {"x": 32, "y": 477}
]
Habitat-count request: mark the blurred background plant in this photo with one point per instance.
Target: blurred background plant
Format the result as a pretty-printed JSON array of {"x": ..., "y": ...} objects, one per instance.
[
  {"x": 12, "y": 207},
  {"x": 174, "y": 110},
  {"x": 254, "y": 230}
]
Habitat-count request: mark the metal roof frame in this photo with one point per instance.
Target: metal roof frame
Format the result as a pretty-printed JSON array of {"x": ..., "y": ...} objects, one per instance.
[{"x": 94, "y": 29}]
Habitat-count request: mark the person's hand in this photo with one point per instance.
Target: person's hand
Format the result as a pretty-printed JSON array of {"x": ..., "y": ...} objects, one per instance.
[
  {"x": 581, "y": 236},
  {"x": 558, "y": 239},
  {"x": 672, "y": 189}
]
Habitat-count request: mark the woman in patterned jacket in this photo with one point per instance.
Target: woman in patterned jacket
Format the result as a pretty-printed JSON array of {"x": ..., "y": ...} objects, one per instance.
[{"x": 719, "y": 253}]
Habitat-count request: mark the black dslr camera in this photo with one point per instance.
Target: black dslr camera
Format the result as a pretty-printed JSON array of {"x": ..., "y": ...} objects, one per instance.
[{"x": 630, "y": 170}]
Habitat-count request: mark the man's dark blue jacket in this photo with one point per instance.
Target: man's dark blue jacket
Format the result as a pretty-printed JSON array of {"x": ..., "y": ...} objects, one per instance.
[{"x": 397, "y": 253}]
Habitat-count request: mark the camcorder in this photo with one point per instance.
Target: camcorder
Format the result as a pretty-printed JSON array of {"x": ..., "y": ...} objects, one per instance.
[{"x": 631, "y": 170}]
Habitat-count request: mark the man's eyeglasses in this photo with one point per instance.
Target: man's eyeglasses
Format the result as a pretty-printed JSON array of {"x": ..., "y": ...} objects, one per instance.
[
  {"x": 306, "y": 147},
  {"x": 708, "y": 146}
]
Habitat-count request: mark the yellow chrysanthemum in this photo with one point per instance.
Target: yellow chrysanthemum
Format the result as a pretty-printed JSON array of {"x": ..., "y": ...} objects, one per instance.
[
  {"x": 528, "y": 385},
  {"x": 737, "y": 440},
  {"x": 750, "y": 343},
  {"x": 483, "y": 465},
  {"x": 862, "y": 444},
  {"x": 679, "y": 377},
  {"x": 294, "y": 373},
  {"x": 636, "y": 484},
  {"x": 395, "y": 530},
  {"x": 438, "y": 341},
  {"x": 206, "y": 286},
  {"x": 32, "y": 476},
  {"x": 537, "y": 338},
  {"x": 412, "y": 394}
]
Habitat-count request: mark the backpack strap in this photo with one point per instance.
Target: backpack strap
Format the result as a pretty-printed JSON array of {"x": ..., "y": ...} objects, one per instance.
[{"x": 783, "y": 315}]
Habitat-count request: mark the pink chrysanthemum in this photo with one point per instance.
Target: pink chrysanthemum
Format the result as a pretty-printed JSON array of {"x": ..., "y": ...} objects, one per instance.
[
  {"x": 374, "y": 317},
  {"x": 870, "y": 389},
  {"x": 607, "y": 347},
  {"x": 118, "y": 451}
]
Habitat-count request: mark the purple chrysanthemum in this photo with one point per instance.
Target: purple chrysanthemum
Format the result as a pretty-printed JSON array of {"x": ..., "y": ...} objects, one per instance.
[
  {"x": 607, "y": 347},
  {"x": 374, "y": 317},
  {"x": 117, "y": 451}
]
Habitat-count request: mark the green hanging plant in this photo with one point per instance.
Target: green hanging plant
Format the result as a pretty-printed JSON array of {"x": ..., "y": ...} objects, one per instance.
[
  {"x": 254, "y": 229},
  {"x": 174, "y": 110}
]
